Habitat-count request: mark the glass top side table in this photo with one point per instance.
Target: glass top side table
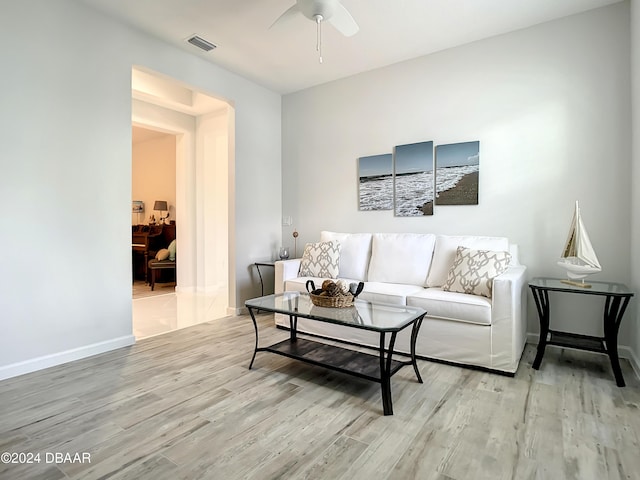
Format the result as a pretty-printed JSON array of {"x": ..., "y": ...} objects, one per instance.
[{"x": 617, "y": 297}]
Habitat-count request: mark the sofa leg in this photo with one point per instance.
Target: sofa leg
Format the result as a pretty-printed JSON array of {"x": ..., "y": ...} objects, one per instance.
[{"x": 153, "y": 278}]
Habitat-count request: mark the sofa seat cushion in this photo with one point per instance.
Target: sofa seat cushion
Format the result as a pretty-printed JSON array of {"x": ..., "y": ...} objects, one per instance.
[
  {"x": 355, "y": 251},
  {"x": 452, "y": 305},
  {"x": 445, "y": 253},
  {"x": 402, "y": 258},
  {"x": 392, "y": 293}
]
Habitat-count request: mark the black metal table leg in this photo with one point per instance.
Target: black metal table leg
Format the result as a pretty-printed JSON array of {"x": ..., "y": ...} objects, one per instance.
[
  {"x": 385, "y": 373},
  {"x": 293, "y": 327},
  {"x": 261, "y": 282},
  {"x": 385, "y": 383},
  {"x": 613, "y": 312},
  {"x": 255, "y": 326},
  {"x": 542, "y": 304},
  {"x": 414, "y": 335}
]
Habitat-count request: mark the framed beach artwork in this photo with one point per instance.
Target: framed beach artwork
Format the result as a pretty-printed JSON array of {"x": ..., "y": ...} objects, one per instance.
[
  {"x": 457, "y": 172},
  {"x": 375, "y": 182},
  {"x": 413, "y": 179}
]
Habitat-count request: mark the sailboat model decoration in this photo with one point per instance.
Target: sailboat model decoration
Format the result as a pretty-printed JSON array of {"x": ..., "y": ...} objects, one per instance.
[{"x": 578, "y": 256}]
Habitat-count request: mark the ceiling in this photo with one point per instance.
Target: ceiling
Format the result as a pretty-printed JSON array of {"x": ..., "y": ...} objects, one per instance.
[{"x": 284, "y": 58}]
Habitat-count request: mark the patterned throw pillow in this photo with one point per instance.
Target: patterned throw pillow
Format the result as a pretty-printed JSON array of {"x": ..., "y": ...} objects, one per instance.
[
  {"x": 473, "y": 271},
  {"x": 320, "y": 260}
]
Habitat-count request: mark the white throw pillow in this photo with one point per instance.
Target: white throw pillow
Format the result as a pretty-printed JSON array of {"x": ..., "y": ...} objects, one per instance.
[
  {"x": 401, "y": 258},
  {"x": 320, "y": 260},
  {"x": 355, "y": 252},
  {"x": 473, "y": 271},
  {"x": 445, "y": 252}
]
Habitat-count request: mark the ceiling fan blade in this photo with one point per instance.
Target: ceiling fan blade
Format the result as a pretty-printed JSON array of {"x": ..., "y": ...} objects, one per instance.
[
  {"x": 286, "y": 16},
  {"x": 343, "y": 21}
]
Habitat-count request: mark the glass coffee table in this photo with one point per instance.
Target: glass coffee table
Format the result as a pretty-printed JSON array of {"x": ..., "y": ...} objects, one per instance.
[{"x": 386, "y": 320}]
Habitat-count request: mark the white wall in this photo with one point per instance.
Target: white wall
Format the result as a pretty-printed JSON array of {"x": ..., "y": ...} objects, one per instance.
[
  {"x": 65, "y": 154},
  {"x": 153, "y": 176},
  {"x": 550, "y": 107}
]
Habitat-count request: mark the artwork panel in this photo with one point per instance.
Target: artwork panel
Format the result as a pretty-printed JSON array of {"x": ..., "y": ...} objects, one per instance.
[
  {"x": 457, "y": 173},
  {"x": 413, "y": 179},
  {"x": 375, "y": 182},
  {"x": 137, "y": 206}
]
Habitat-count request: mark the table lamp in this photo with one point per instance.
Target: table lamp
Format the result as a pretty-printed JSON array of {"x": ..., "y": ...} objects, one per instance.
[{"x": 161, "y": 206}]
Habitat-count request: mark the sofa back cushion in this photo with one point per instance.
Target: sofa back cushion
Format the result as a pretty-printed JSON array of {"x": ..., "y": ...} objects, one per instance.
[
  {"x": 445, "y": 253},
  {"x": 401, "y": 258},
  {"x": 355, "y": 252}
]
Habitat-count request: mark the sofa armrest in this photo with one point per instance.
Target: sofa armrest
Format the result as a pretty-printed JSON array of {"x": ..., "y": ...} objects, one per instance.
[
  {"x": 509, "y": 318},
  {"x": 284, "y": 270}
]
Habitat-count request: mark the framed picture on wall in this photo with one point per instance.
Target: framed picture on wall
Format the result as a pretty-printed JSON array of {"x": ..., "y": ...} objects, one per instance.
[
  {"x": 413, "y": 179},
  {"x": 137, "y": 206},
  {"x": 457, "y": 173},
  {"x": 375, "y": 182}
]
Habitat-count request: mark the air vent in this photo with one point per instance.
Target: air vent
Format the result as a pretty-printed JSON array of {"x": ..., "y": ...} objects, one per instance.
[{"x": 201, "y": 43}]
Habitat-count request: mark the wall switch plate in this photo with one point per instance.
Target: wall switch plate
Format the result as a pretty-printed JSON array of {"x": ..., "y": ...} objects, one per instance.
[{"x": 287, "y": 221}]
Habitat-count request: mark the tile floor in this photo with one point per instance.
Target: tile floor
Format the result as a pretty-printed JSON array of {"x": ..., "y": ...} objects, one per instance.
[
  {"x": 158, "y": 314},
  {"x": 142, "y": 289}
]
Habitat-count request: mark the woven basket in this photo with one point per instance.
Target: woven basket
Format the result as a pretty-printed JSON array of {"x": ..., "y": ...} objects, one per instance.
[
  {"x": 341, "y": 300},
  {"x": 337, "y": 301}
]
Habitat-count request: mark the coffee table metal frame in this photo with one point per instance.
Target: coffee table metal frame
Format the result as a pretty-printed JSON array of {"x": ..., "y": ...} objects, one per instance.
[{"x": 376, "y": 368}]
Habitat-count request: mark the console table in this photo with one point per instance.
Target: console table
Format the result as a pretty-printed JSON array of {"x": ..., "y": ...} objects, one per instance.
[
  {"x": 617, "y": 296},
  {"x": 382, "y": 319}
]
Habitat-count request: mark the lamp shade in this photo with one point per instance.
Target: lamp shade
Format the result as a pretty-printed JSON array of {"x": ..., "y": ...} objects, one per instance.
[{"x": 160, "y": 205}]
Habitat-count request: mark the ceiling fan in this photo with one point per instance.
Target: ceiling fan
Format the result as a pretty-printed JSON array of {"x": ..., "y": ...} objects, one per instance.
[{"x": 319, "y": 11}]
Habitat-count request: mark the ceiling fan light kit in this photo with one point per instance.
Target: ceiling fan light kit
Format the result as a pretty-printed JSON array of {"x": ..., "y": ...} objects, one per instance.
[{"x": 320, "y": 11}]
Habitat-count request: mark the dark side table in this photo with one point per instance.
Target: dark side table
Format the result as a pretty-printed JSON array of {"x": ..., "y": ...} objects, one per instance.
[
  {"x": 263, "y": 263},
  {"x": 617, "y": 296}
]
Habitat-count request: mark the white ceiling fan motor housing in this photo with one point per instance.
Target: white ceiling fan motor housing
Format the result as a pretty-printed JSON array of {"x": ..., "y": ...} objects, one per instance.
[{"x": 312, "y": 8}]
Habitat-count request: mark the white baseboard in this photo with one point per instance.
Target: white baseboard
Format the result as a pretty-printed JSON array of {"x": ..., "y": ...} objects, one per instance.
[
  {"x": 46, "y": 361},
  {"x": 185, "y": 289},
  {"x": 237, "y": 311},
  {"x": 633, "y": 360},
  {"x": 623, "y": 352}
]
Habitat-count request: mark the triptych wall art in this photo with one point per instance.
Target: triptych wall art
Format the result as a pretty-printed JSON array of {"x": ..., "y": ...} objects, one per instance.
[{"x": 412, "y": 179}]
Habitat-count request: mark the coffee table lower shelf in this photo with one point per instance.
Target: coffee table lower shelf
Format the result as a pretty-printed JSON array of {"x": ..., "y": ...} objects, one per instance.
[{"x": 359, "y": 364}]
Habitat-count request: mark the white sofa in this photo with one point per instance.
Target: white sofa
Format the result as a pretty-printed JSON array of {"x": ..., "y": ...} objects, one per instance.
[{"x": 410, "y": 269}]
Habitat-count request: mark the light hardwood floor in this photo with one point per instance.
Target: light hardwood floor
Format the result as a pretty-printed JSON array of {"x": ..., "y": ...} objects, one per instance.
[{"x": 184, "y": 406}]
